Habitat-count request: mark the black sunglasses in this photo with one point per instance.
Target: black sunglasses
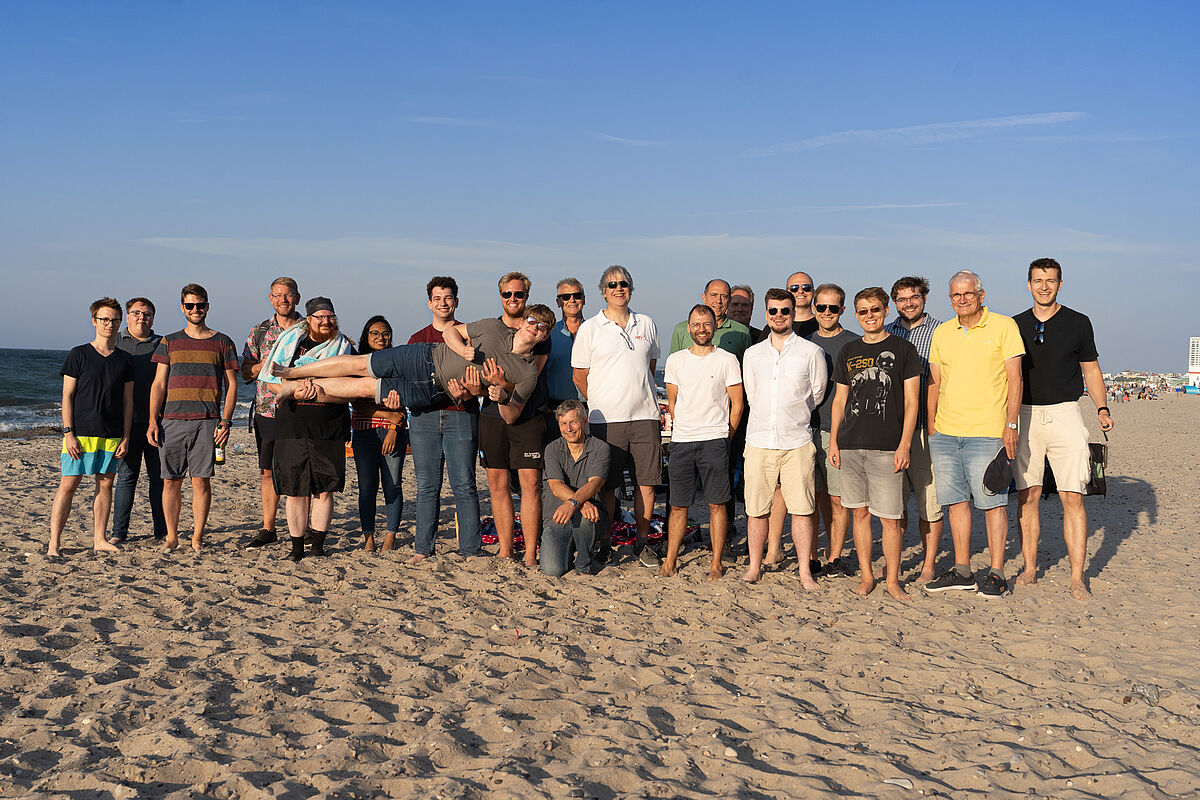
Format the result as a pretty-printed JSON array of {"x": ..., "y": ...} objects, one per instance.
[
  {"x": 192, "y": 306},
  {"x": 784, "y": 310},
  {"x": 620, "y": 284},
  {"x": 832, "y": 308},
  {"x": 800, "y": 287},
  {"x": 565, "y": 296},
  {"x": 1039, "y": 332},
  {"x": 519, "y": 295}
]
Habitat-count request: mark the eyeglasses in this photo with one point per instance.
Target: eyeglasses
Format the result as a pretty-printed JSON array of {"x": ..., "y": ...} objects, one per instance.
[
  {"x": 541, "y": 326},
  {"x": 565, "y": 296},
  {"x": 800, "y": 287},
  {"x": 962, "y": 297},
  {"x": 832, "y": 308},
  {"x": 142, "y": 314},
  {"x": 618, "y": 284},
  {"x": 324, "y": 318},
  {"x": 518, "y": 294},
  {"x": 781, "y": 310},
  {"x": 108, "y": 320},
  {"x": 194, "y": 306},
  {"x": 379, "y": 334},
  {"x": 862, "y": 312},
  {"x": 1039, "y": 332}
]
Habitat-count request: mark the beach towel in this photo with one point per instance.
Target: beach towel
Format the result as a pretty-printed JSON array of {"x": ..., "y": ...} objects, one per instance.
[{"x": 283, "y": 352}]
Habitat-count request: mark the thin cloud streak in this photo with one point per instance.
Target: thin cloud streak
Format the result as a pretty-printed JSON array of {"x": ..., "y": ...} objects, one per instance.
[
  {"x": 631, "y": 142},
  {"x": 918, "y": 134}
]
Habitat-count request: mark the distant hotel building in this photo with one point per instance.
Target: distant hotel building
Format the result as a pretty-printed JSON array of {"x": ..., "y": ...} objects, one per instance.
[{"x": 1194, "y": 362}]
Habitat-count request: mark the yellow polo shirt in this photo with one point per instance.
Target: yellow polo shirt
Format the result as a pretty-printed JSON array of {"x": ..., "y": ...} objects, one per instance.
[{"x": 973, "y": 394}]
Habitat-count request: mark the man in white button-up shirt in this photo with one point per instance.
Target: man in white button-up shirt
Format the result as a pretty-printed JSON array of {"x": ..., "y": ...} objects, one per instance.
[
  {"x": 784, "y": 377},
  {"x": 613, "y": 359}
]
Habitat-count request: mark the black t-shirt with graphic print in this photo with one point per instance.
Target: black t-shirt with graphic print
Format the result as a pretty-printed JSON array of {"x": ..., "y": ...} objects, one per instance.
[{"x": 875, "y": 373}]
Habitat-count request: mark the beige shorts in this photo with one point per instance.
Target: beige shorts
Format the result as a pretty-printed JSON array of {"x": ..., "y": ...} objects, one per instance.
[
  {"x": 919, "y": 478},
  {"x": 1057, "y": 433},
  {"x": 791, "y": 470}
]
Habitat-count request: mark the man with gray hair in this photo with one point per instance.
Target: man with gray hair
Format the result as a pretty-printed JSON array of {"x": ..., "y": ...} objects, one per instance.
[
  {"x": 576, "y": 468},
  {"x": 560, "y": 379},
  {"x": 614, "y": 358},
  {"x": 974, "y": 404}
]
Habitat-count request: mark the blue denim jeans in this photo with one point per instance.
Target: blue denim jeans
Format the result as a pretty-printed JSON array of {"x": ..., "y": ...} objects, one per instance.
[
  {"x": 445, "y": 439},
  {"x": 406, "y": 369},
  {"x": 958, "y": 466},
  {"x": 557, "y": 539},
  {"x": 375, "y": 468},
  {"x": 128, "y": 469}
]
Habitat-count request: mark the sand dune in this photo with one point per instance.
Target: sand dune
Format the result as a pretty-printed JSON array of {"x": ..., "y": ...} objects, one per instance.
[{"x": 235, "y": 673}]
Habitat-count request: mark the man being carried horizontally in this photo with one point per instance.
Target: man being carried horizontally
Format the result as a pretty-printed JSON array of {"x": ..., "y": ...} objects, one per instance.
[
  {"x": 878, "y": 379},
  {"x": 474, "y": 358}
]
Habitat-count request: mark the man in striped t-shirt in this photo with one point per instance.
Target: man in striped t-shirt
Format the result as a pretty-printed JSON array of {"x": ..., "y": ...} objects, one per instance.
[{"x": 194, "y": 366}]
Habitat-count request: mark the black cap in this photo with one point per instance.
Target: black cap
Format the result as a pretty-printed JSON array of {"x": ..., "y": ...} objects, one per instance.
[
  {"x": 318, "y": 304},
  {"x": 998, "y": 475}
]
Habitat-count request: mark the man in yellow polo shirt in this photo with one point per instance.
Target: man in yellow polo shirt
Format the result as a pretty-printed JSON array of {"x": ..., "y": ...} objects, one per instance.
[{"x": 974, "y": 404}]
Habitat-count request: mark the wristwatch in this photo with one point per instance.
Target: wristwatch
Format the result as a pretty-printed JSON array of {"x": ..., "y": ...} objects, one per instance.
[
  {"x": 1012, "y": 425},
  {"x": 68, "y": 429},
  {"x": 575, "y": 502}
]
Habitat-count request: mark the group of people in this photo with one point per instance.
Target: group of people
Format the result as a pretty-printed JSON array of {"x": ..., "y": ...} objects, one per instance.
[{"x": 810, "y": 420}]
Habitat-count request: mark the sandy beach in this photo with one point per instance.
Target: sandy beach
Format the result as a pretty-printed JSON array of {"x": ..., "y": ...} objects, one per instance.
[{"x": 237, "y": 674}]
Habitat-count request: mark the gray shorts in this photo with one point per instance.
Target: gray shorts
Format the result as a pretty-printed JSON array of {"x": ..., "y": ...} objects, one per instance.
[
  {"x": 637, "y": 443},
  {"x": 828, "y": 477},
  {"x": 187, "y": 447},
  {"x": 870, "y": 480}
]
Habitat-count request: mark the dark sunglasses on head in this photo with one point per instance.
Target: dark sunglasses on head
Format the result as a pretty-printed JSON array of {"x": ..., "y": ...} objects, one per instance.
[
  {"x": 782, "y": 310},
  {"x": 192, "y": 306},
  {"x": 1039, "y": 332},
  {"x": 518, "y": 294},
  {"x": 565, "y": 296},
  {"x": 620, "y": 284},
  {"x": 832, "y": 308},
  {"x": 800, "y": 287}
]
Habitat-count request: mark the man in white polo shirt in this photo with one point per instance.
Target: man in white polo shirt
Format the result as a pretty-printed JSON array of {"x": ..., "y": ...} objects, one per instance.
[
  {"x": 704, "y": 396},
  {"x": 613, "y": 359},
  {"x": 785, "y": 378}
]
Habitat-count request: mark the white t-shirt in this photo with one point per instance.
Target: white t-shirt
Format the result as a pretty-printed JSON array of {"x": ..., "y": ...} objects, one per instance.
[
  {"x": 702, "y": 402},
  {"x": 620, "y": 386}
]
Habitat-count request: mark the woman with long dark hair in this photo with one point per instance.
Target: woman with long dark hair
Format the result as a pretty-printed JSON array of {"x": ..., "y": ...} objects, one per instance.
[{"x": 380, "y": 440}]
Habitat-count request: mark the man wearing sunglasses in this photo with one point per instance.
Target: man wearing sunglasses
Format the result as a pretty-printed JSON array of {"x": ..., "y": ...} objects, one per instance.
[
  {"x": 1060, "y": 364},
  {"x": 974, "y": 403},
  {"x": 785, "y": 379},
  {"x": 195, "y": 365},
  {"x": 614, "y": 358},
  {"x": 916, "y": 327},
  {"x": 517, "y": 444},
  {"x": 560, "y": 378}
]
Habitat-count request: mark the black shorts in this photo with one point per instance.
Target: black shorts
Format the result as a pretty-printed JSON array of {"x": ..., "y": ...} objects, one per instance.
[
  {"x": 264, "y": 438},
  {"x": 695, "y": 465},
  {"x": 304, "y": 467},
  {"x": 516, "y": 446}
]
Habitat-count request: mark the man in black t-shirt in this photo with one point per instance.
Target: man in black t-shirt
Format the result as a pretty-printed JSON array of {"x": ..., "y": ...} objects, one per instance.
[
  {"x": 1060, "y": 363},
  {"x": 874, "y": 415},
  {"x": 97, "y": 415}
]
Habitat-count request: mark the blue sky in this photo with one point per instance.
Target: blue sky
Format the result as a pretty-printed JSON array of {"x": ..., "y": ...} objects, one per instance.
[{"x": 365, "y": 147}]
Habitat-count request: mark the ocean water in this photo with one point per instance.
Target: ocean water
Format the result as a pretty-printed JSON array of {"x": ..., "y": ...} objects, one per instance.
[{"x": 31, "y": 391}]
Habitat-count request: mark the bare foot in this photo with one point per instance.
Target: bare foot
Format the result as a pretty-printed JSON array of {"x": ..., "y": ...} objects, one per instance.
[
  {"x": 752, "y": 576},
  {"x": 1079, "y": 590},
  {"x": 280, "y": 371},
  {"x": 52, "y": 552},
  {"x": 1027, "y": 578},
  {"x": 865, "y": 587},
  {"x": 668, "y": 570},
  {"x": 925, "y": 577},
  {"x": 897, "y": 592},
  {"x": 417, "y": 559},
  {"x": 105, "y": 546},
  {"x": 772, "y": 559},
  {"x": 197, "y": 542},
  {"x": 808, "y": 583},
  {"x": 389, "y": 541},
  {"x": 504, "y": 554},
  {"x": 530, "y": 562},
  {"x": 716, "y": 572},
  {"x": 170, "y": 545},
  {"x": 369, "y": 542}
]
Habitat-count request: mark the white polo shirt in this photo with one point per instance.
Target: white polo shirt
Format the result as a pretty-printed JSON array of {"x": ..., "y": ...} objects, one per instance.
[
  {"x": 702, "y": 402},
  {"x": 782, "y": 389},
  {"x": 620, "y": 386}
]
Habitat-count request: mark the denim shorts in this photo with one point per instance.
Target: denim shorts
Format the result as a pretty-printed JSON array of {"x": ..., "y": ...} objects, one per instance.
[
  {"x": 959, "y": 463},
  {"x": 407, "y": 370}
]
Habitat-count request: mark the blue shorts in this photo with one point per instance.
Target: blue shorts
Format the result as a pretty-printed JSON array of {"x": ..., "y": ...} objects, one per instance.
[
  {"x": 959, "y": 463},
  {"x": 98, "y": 456},
  {"x": 407, "y": 370}
]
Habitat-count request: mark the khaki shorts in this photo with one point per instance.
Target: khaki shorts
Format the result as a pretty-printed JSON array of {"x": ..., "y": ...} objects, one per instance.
[
  {"x": 1057, "y": 433},
  {"x": 919, "y": 478},
  {"x": 791, "y": 470}
]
